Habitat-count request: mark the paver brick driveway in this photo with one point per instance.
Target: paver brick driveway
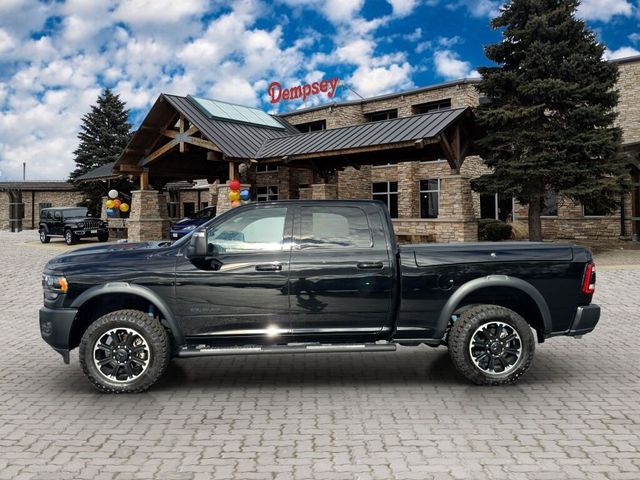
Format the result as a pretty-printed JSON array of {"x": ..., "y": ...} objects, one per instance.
[{"x": 576, "y": 414}]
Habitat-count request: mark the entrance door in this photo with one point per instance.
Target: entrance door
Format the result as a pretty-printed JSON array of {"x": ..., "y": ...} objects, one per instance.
[
  {"x": 243, "y": 291},
  {"x": 341, "y": 272}
]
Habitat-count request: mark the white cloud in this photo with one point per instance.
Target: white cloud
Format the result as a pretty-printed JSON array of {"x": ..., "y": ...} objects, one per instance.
[
  {"x": 621, "y": 52},
  {"x": 158, "y": 12},
  {"x": 604, "y": 10},
  {"x": 449, "y": 65},
  {"x": 370, "y": 81},
  {"x": 402, "y": 8},
  {"x": 6, "y": 41},
  {"x": 336, "y": 11}
]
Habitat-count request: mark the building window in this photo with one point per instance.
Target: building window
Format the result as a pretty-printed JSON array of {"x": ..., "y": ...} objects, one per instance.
[
  {"x": 203, "y": 205},
  {"x": 267, "y": 194},
  {"x": 496, "y": 206},
  {"x": 550, "y": 205},
  {"x": 384, "y": 115},
  {"x": 188, "y": 209},
  {"x": 312, "y": 126},
  {"x": 429, "y": 198},
  {"x": 429, "y": 107},
  {"x": 266, "y": 167},
  {"x": 386, "y": 192},
  {"x": 593, "y": 208}
]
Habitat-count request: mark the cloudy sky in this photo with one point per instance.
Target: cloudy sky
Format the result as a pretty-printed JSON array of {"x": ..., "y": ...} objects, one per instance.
[{"x": 56, "y": 56}]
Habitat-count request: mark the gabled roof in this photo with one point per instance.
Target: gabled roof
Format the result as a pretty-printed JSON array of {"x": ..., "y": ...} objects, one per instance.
[
  {"x": 235, "y": 139},
  {"x": 388, "y": 132},
  {"x": 103, "y": 172}
]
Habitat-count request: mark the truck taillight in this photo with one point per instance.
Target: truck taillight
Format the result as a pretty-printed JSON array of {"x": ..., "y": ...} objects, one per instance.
[{"x": 589, "y": 280}]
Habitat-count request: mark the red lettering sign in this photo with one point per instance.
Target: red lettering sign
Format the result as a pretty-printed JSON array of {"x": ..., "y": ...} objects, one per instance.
[{"x": 277, "y": 92}]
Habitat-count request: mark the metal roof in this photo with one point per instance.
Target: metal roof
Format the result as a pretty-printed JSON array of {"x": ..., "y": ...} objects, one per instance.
[
  {"x": 102, "y": 172},
  {"x": 235, "y": 139},
  {"x": 397, "y": 130},
  {"x": 38, "y": 185}
]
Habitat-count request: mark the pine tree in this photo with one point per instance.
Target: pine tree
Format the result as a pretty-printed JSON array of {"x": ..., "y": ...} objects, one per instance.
[
  {"x": 104, "y": 134},
  {"x": 549, "y": 120}
]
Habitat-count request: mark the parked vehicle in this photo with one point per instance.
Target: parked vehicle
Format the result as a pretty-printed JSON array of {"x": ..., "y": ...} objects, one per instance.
[
  {"x": 311, "y": 277},
  {"x": 189, "y": 224},
  {"x": 71, "y": 223}
]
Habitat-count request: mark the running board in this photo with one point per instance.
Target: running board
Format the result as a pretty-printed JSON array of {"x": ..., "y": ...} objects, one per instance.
[{"x": 273, "y": 349}]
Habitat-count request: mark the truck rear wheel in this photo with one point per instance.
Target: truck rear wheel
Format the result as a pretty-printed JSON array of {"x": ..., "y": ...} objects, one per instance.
[
  {"x": 491, "y": 345},
  {"x": 124, "y": 351},
  {"x": 44, "y": 238}
]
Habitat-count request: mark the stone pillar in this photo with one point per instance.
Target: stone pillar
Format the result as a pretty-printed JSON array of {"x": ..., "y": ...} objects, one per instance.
[
  {"x": 4, "y": 211},
  {"x": 223, "y": 204},
  {"x": 355, "y": 184},
  {"x": 324, "y": 191},
  {"x": 305, "y": 193},
  {"x": 103, "y": 209},
  {"x": 284, "y": 183},
  {"x": 213, "y": 194},
  {"x": 149, "y": 217},
  {"x": 456, "y": 198},
  {"x": 408, "y": 206}
]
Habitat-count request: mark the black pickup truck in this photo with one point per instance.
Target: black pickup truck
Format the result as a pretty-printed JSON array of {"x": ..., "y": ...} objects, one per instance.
[{"x": 311, "y": 277}]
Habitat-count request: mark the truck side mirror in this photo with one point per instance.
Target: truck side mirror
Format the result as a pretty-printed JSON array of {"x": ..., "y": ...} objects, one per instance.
[{"x": 197, "y": 249}]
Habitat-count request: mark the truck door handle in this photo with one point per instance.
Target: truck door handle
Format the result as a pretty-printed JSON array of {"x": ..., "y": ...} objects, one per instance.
[
  {"x": 269, "y": 267},
  {"x": 370, "y": 265}
]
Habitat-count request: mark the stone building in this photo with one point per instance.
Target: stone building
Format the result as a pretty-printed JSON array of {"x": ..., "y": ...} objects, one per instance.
[
  {"x": 413, "y": 150},
  {"x": 34, "y": 195}
]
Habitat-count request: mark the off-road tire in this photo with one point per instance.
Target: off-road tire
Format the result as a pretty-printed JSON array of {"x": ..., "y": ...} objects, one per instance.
[
  {"x": 44, "y": 238},
  {"x": 463, "y": 330},
  {"x": 103, "y": 237},
  {"x": 69, "y": 237},
  {"x": 154, "y": 335}
]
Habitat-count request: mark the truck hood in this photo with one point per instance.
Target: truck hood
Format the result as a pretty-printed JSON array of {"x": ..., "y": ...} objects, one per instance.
[{"x": 101, "y": 254}]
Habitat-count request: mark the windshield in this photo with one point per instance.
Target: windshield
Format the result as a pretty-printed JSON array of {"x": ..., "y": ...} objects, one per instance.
[
  {"x": 75, "y": 212},
  {"x": 206, "y": 213}
]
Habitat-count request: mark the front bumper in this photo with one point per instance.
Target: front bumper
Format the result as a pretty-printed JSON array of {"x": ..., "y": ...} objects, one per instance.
[
  {"x": 91, "y": 232},
  {"x": 585, "y": 320},
  {"x": 55, "y": 328}
]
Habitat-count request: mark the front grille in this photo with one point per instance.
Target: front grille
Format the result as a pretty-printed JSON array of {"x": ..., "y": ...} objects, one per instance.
[{"x": 92, "y": 223}]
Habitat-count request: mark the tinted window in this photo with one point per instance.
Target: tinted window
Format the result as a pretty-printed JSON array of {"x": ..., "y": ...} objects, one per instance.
[
  {"x": 334, "y": 227},
  {"x": 57, "y": 215},
  {"x": 75, "y": 212},
  {"x": 259, "y": 229}
]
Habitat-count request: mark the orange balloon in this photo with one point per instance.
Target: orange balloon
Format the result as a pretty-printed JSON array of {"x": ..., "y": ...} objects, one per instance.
[
  {"x": 235, "y": 203},
  {"x": 117, "y": 203}
]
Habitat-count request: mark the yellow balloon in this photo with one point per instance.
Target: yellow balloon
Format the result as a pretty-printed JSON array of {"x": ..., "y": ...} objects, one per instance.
[
  {"x": 124, "y": 207},
  {"x": 234, "y": 196},
  {"x": 109, "y": 203}
]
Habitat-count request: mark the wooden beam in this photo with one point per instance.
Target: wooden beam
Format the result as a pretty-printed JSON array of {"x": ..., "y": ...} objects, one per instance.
[
  {"x": 201, "y": 142},
  {"x": 144, "y": 179},
  {"x": 181, "y": 129},
  {"x": 158, "y": 153},
  {"x": 448, "y": 152},
  {"x": 130, "y": 169}
]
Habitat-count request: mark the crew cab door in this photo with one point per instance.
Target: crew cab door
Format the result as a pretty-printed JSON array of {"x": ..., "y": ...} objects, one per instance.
[
  {"x": 242, "y": 290},
  {"x": 341, "y": 278}
]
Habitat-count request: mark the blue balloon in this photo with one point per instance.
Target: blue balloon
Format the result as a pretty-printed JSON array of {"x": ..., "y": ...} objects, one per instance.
[
  {"x": 111, "y": 212},
  {"x": 245, "y": 195}
]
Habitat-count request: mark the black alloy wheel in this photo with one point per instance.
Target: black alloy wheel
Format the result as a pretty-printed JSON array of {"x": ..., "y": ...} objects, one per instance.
[{"x": 491, "y": 345}]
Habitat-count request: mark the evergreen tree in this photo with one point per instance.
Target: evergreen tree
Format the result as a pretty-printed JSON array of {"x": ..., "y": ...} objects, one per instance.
[
  {"x": 549, "y": 120},
  {"x": 104, "y": 133}
]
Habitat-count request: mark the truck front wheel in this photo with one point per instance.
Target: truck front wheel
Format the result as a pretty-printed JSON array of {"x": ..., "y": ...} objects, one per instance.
[
  {"x": 124, "y": 351},
  {"x": 491, "y": 345}
]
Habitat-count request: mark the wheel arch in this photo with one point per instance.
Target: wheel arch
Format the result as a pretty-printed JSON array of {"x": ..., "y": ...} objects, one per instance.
[
  {"x": 100, "y": 300},
  {"x": 529, "y": 302}
]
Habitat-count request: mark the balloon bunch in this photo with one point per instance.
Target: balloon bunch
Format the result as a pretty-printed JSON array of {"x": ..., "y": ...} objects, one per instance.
[
  {"x": 237, "y": 197},
  {"x": 115, "y": 205}
]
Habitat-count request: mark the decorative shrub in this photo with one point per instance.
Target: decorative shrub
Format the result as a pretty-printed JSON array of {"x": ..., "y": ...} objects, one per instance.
[{"x": 493, "y": 230}]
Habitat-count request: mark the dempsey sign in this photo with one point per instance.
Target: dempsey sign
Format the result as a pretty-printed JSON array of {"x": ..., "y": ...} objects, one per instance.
[{"x": 277, "y": 92}]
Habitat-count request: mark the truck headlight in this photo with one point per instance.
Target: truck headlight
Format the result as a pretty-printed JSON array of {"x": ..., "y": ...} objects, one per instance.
[
  {"x": 80, "y": 225},
  {"x": 57, "y": 283}
]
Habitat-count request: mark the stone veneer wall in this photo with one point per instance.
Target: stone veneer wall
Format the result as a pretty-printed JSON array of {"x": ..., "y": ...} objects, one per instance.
[
  {"x": 629, "y": 103},
  {"x": 149, "y": 216},
  {"x": 56, "y": 198}
]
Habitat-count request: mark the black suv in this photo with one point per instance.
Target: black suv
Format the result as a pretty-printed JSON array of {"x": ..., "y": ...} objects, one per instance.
[{"x": 71, "y": 223}]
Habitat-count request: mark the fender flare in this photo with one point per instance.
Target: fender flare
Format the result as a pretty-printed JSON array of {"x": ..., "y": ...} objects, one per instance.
[
  {"x": 140, "y": 291},
  {"x": 493, "y": 281}
]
